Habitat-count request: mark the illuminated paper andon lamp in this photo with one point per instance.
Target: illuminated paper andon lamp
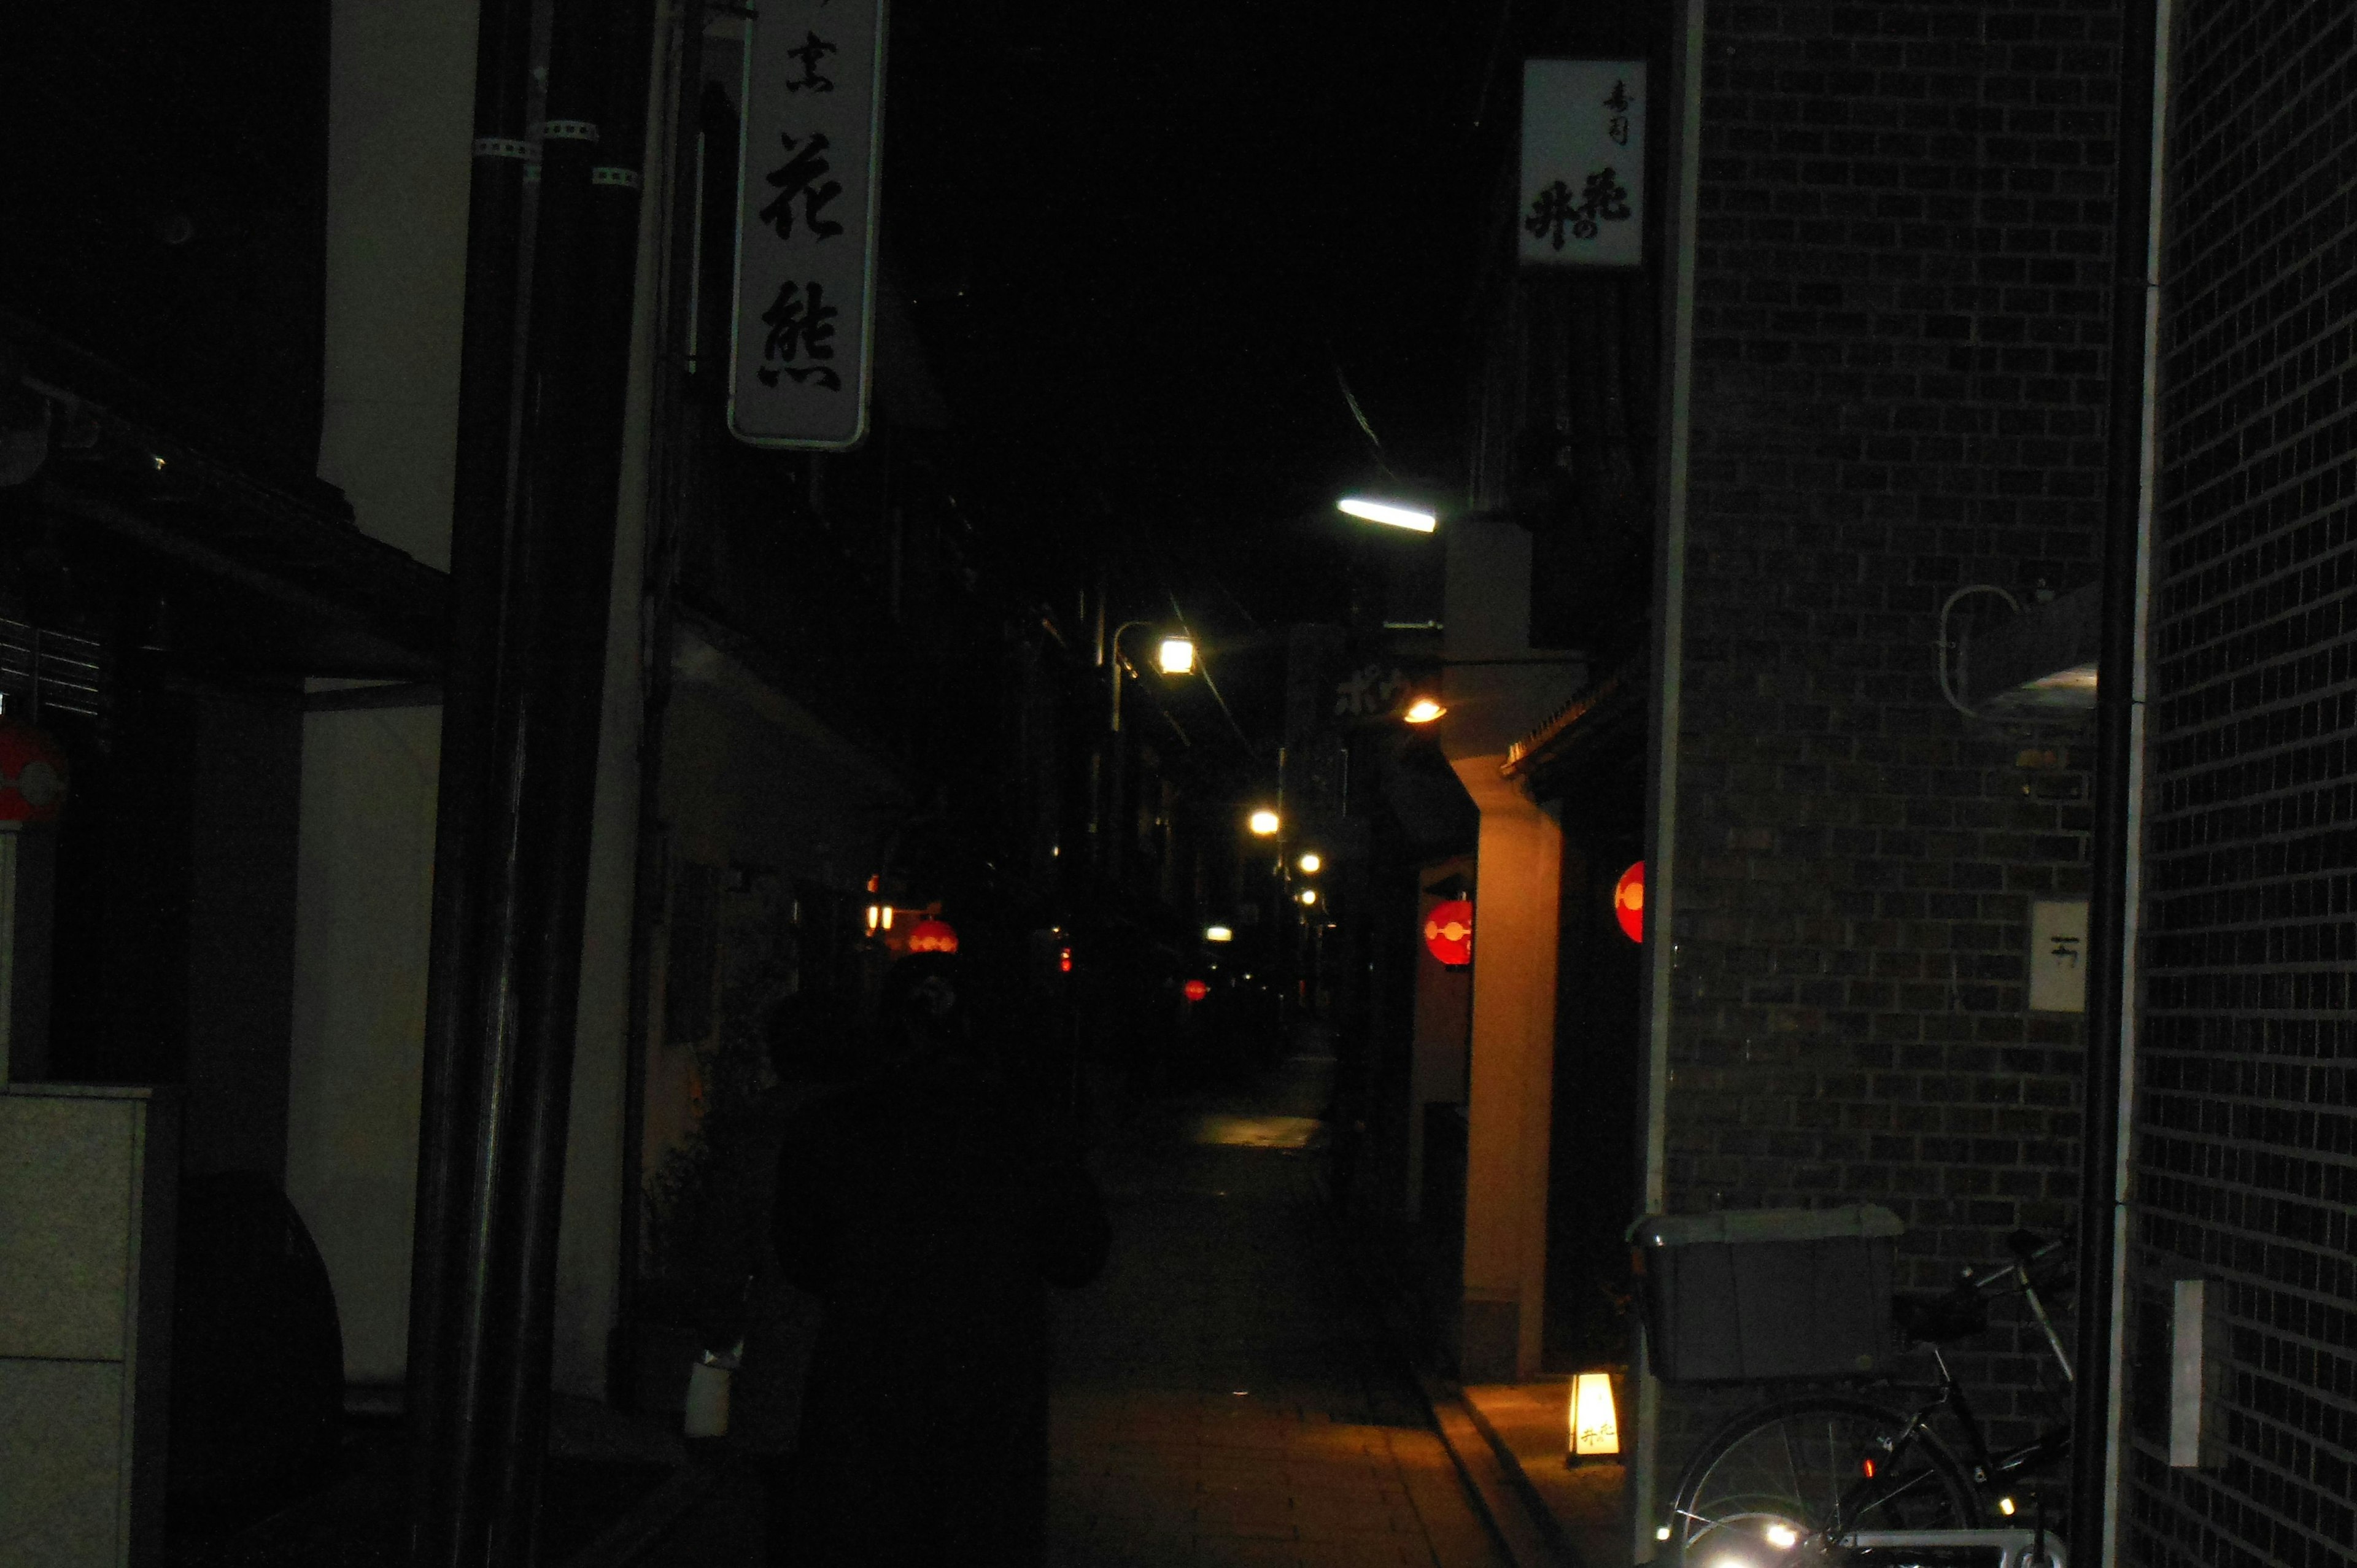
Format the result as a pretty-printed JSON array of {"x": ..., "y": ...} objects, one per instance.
[
  {"x": 933, "y": 934},
  {"x": 1595, "y": 1427},
  {"x": 1448, "y": 933},
  {"x": 1628, "y": 902}
]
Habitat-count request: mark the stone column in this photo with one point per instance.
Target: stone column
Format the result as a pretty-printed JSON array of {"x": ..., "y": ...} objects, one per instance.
[
  {"x": 1508, "y": 1121},
  {"x": 1498, "y": 689}
]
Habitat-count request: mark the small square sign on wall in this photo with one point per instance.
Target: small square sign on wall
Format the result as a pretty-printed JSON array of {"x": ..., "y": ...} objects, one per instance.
[{"x": 2058, "y": 955}]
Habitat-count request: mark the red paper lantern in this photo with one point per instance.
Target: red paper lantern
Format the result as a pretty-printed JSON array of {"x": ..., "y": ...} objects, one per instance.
[
  {"x": 1628, "y": 902},
  {"x": 932, "y": 934},
  {"x": 1196, "y": 990},
  {"x": 32, "y": 774},
  {"x": 1448, "y": 933}
]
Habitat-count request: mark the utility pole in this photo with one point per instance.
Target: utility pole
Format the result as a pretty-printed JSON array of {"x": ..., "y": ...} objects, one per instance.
[{"x": 534, "y": 566}]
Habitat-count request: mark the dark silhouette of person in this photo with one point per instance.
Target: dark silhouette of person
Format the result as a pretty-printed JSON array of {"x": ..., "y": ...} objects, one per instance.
[{"x": 926, "y": 1209}]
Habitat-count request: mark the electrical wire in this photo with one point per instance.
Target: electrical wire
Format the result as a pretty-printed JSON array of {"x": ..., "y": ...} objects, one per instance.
[
  {"x": 1361, "y": 416},
  {"x": 1941, "y": 646}
]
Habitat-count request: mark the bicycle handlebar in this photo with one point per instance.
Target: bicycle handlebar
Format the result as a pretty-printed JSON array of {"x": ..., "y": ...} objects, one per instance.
[{"x": 2027, "y": 1248}]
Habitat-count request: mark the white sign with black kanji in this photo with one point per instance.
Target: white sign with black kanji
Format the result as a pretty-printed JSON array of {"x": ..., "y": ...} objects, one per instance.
[
  {"x": 1583, "y": 190},
  {"x": 2058, "y": 955},
  {"x": 806, "y": 180}
]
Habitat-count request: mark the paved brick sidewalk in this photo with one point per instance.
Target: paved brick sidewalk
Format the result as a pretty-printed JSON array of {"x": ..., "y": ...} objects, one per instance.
[{"x": 1217, "y": 1398}]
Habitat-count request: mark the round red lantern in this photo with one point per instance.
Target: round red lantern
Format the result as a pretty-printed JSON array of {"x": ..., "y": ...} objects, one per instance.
[
  {"x": 32, "y": 774},
  {"x": 1448, "y": 933},
  {"x": 932, "y": 934},
  {"x": 1628, "y": 902},
  {"x": 1196, "y": 990}
]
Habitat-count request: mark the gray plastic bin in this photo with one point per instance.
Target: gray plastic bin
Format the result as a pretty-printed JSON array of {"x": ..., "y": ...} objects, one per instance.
[{"x": 1767, "y": 1293}]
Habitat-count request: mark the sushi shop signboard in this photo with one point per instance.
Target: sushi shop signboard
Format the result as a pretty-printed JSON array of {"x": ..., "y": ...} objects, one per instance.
[{"x": 1583, "y": 174}]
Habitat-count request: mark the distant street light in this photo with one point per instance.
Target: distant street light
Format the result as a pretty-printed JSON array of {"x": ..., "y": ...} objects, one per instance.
[
  {"x": 1218, "y": 934},
  {"x": 1177, "y": 657},
  {"x": 1262, "y": 823},
  {"x": 1311, "y": 862},
  {"x": 1308, "y": 895},
  {"x": 1392, "y": 514}
]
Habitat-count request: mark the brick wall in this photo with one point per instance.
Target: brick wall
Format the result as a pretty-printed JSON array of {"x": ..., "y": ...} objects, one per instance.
[
  {"x": 2245, "y": 1140},
  {"x": 1899, "y": 320}
]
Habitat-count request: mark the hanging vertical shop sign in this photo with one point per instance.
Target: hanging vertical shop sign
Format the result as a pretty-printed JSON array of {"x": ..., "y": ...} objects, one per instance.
[
  {"x": 802, "y": 343},
  {"x": 1583, "y": 190}
]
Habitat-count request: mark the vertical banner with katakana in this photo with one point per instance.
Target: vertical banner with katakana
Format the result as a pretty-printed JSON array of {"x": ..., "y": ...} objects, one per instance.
[
  {"x": 806, "y": 180},
  {"x": 1583, "y": 192}
]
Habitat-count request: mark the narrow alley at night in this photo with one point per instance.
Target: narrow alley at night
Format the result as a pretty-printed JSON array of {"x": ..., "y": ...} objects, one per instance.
[
  {"x": 1223, "y": 1396},
  {"x": 834, "y": 783}
]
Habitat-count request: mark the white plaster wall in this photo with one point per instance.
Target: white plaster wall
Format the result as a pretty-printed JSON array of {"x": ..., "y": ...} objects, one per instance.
[
  {"x": 364, "y": 889},
  {"x": 400, "y": 129},
  {"x": 401, "y": 83}
]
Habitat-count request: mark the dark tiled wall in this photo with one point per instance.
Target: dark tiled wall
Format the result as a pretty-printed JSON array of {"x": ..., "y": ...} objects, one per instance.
[
  {"x": 1899, "y": 391},
  {"x": 2245, "y": 1143}
]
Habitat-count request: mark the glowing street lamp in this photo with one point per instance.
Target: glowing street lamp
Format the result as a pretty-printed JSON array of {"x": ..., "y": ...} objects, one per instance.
[
  {"x": 1423, "y": 711},
  {"x": 1311, "y": 862},
  {"x": 1218, "y": 934},
  {"x": 1176, "y": 656},
  {"x": 1391, "y": 514},
  {"x": 1308, "y": 896},
  {"x": 1264, "y": 823}
]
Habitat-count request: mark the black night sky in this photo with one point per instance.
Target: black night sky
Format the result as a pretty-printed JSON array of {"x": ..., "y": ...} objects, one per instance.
[{"x": 1143, "y": 250}]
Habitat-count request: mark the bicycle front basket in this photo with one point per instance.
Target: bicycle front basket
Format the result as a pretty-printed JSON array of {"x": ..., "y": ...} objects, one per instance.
[{"x": 1744, "y": 1294}]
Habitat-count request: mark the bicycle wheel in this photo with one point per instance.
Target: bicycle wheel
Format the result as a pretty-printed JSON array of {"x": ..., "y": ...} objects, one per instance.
[{"x": 1773, "y": 1480}]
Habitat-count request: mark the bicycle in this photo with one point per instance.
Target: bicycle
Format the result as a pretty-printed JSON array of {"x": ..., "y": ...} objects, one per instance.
[{"x": 1803, "y": 1477}]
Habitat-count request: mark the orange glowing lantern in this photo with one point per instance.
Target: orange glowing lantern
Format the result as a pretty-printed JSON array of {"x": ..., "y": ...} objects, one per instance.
[
  {"x": 1064, "y": 960},
  {"x": 1448, "y": 933},
  {"x": 932, "y": 934},
  {"x": 1196, "y": 990},
  {"x": 1628, "y": 902},
  {"x": 32, "y": 774},
  {"x": 1595, "y": 1427}
]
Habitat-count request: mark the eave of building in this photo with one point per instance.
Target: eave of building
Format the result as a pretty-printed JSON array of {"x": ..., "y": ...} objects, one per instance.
[
  {"x": 1599, "y": 713},
  {"x": 292, "y": 585}
]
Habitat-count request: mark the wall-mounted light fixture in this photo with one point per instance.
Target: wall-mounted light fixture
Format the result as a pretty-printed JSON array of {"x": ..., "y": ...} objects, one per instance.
[{"x": 1390, "y": 513}]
